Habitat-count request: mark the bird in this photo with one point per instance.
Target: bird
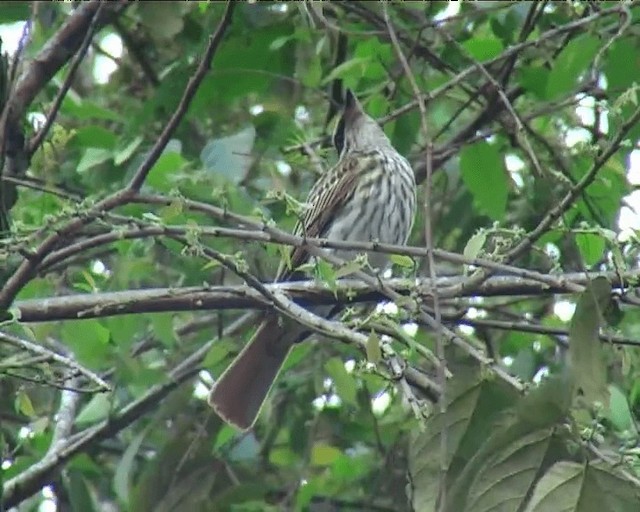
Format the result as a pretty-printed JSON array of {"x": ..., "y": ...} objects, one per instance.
[{"x": 368, "y": 195}]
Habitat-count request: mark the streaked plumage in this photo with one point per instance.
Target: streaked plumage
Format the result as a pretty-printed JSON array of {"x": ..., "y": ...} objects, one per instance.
[{"x": 369, "y": 195}]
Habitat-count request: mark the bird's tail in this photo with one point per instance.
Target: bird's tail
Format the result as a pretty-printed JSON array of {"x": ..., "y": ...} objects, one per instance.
[{"x": 238, "y": 395}]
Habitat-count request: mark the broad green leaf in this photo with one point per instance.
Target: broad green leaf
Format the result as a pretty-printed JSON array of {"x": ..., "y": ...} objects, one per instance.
[
  {"x": 573, "y": 61},
  {"x": 79, "y": 491},
  {"x": 583, "y": 488},
  {"x": 94, "y": 136},
  {"x": 23, "y": 404},
  {"x": 93, "y": 157},
  {"x": 483, "y": 48},
  {"x": 591, "y": 247},
  {"x": 219, "y": 350},
  {"x": 325, "y": 272},
  {"x": 85, "y": 109},
  {"x": 622, "y": 54},
  {"x": 125, "y": 468},
  {"x": 14, "y": 11},
  {"x": 343, "y": 381},
  {"x": 472, "y": 408},
  {"x": 485, "y": 175},
  {"x": 548, "y": 404},
  {"x": 587, "y": 363},
  {"x": 163, "y": 328},
  {"x": 123, "y": 155},
  {"x": 88, "y": 340},
  {"x": 283, "y": 456},
  {"x": 312, "y": 73},
  {"x": 324, "y": 454},
  {"x": 348, "y": 70},
  {"x": 402, "y": 260},
  {"x": 534, "y": 79},
  {"x": 504, "y": 480},
  {"x": 374, "y": 353},
  {"x": 243, "y": 66},
  {"x": 619, "y": 412},
  {"x": 97, "y": 409},
  {"x": 474, "y": 245},
  {"x": 225, "y": 434},
  {"x": 160, "y": 175}
]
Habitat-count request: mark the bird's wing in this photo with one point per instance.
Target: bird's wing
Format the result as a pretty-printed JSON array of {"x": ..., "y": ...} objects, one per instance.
[{"x": 326, "y": 199}]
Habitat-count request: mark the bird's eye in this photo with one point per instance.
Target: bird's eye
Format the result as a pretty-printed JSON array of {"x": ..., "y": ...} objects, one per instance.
[{"x": 338, "y": 136}]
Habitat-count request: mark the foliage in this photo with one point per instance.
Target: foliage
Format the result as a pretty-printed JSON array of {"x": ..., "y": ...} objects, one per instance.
[{"x": 134, "y": 251}]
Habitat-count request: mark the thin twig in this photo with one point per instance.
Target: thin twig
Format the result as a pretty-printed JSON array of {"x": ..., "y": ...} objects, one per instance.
[
  {"x": 39, "y": 137},
  {"x": 187, "y": 96},
  {"x": 26, "y": 270},
  {"x": 38, "y": 474},
  {"x": 53, "y": 356}
]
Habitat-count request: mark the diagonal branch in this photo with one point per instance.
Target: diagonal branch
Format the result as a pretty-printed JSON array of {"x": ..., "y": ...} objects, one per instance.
[{"x": 28, "y": 267}]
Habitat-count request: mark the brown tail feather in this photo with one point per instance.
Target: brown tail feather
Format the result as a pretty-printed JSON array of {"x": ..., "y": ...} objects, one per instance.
[{"x": 238, "y": 395}]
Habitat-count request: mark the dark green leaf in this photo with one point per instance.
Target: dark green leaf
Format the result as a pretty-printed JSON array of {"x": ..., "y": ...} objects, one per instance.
[{"x": 587, "y": 363}]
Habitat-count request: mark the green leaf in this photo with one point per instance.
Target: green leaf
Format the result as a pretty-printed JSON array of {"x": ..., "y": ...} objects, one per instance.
[
  {"x": 485, "y": 175},
  {"x": 534, "y": 79},
  {"x": 587, "y": 363},
  {"x": 124, "y": 470},
  {"x": 14, "y": 11},
  {"x": 88, "y": 340},
  {"x": 402, "y": 260},
  {"x": 97, "y": 409},
  {"x": 123, "y": 155},
  {"x": 93, "y": 157},
  {"x": 343, "y": 381},
  {"x": 349, "y": 69},
  {"x": 474, "y": 245},
  {"x": 84, "y": 109},
  {"x": 160, "y": 175},
  {"x": 374, "y": 353},
  {"x": 472, "y": 408},
  {"x": 483, "y": 48},
  {"x": 583, "y": 488},
  {"x": 348, "y": 268},
  {"x": 95, "y": 137},
  {"x": 324, "y": 454},
  {"x": 23, "y": 404},
  {"x": 163, "y": 328},
  {"x": 218, "y": 351},
  {"x": 619, "y": 412},
  {"x": 79, "y": 492},
  {"x": 312, "y": 74},
  {"x": 503, "y": 482},
  {"x": 283, "y": 456},
  {"x": 325, "y": 273},
  {"x": 591, "y": 247},
  {"x": 616, "y": 65},
  {"x": 572, "y": 62},
  {"x": 225, "y": 434},
  {"x": 548, "y": 404}
]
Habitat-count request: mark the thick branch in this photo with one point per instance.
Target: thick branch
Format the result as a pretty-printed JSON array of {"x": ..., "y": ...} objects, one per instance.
[{"x": 306, "y": 293}]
